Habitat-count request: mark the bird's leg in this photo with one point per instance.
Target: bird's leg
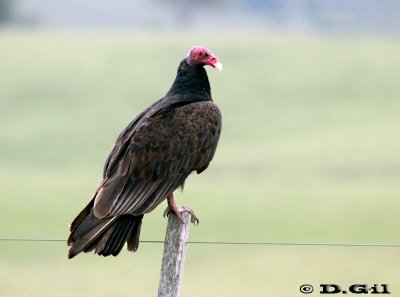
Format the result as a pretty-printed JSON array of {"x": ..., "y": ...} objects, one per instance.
[{"x": 177, "y": 210}]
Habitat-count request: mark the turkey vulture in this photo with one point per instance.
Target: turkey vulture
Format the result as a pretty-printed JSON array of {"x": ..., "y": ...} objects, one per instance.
[{"x": 152, "y": 157}]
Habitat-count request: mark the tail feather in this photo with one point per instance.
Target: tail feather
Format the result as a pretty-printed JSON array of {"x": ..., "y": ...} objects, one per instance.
[
  {"x": 115, "y": 240},
  {"x": 79, "y": 219},
  {"x": 106, "y": 236},
  {"x": 133, "y": 237},
  {"x": 82, "y": 239}
]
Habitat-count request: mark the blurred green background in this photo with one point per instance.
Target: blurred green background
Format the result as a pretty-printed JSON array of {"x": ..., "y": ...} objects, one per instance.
[{"x": 309, "y": 153}]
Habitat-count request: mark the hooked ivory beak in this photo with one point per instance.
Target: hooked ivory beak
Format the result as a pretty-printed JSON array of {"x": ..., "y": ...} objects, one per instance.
[{"x": 218, "y": 66}]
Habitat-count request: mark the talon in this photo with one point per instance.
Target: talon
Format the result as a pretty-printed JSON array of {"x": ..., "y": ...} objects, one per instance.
[
  {"x": 166, "y": 212},
  {"x": 194, "y": 219}
]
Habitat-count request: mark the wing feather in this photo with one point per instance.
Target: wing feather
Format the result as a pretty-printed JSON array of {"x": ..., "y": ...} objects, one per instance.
[
  {"x": 123, "y": 200},
  {"x": 154, "y": 155}
]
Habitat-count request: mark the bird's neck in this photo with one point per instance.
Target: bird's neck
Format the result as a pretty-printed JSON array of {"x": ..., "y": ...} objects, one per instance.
[{"x": 191, "y": 83}]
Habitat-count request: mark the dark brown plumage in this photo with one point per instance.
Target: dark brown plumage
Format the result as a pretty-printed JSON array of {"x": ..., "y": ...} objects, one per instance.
[{"x": 152, "y": 157}]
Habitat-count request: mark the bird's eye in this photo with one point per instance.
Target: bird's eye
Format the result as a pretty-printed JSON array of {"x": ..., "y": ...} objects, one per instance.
[{"x": 200, "y": 54}]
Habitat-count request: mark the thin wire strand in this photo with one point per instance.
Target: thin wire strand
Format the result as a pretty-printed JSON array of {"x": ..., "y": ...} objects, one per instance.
[{"x": 260, "y": 243}]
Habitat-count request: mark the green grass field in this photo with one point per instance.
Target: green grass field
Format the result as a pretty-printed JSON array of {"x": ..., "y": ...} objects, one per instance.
[{"x": 309, "y": 153}]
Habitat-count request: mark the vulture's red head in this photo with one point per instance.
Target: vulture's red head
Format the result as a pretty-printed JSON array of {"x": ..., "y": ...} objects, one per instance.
[{"x": 200, "y": 56}]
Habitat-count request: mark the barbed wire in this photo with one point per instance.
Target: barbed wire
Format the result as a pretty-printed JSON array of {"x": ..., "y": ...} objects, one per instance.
[{"x": 249, "y": 243}]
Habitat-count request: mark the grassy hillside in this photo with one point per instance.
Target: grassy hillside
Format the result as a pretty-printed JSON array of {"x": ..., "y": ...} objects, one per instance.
[{"x": 309, "y": 153}]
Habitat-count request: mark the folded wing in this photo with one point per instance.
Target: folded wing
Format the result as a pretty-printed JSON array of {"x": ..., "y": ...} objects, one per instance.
[{"x": 154, "y": 156}]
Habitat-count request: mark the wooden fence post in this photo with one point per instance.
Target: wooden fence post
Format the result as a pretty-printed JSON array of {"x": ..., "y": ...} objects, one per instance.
[{"x": 174, "y": 256}]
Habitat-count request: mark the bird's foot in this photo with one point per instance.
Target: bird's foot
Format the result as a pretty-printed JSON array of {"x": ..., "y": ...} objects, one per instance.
[{"x": 178, "y": 210}]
